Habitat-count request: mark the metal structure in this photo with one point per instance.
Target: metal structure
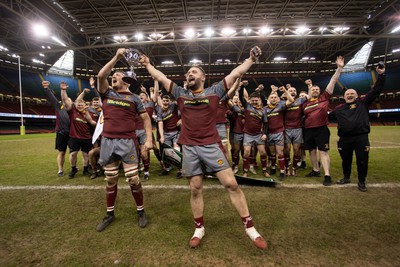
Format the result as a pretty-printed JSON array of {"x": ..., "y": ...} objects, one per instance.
[{"x": 302, "y": 36}]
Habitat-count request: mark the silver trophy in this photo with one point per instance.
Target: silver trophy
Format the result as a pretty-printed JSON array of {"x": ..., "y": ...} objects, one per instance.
[{"x": 132, "y": 56}]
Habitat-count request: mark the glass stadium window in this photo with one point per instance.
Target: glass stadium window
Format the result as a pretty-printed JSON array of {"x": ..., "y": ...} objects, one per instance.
[
  {"x": 360, "y": 59},
  {"x": 64, "y": 65}
]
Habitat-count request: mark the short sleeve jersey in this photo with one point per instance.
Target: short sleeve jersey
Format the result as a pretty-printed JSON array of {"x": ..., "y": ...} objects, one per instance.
[
  {"x": 294, "y": 114},
  {"x": 275, "y": 117},
  {"x": 198, "y": 114},
  {"x": 254, "y": 119},
  {"x": 221, "y": 111},
  {"x": 120, "y": 110},
  {"x": 238, "y": 119},
  {"x": 80, "y": 128},
  {"x": 316, "y": 111},
  {"x": 169, "y": 117}
]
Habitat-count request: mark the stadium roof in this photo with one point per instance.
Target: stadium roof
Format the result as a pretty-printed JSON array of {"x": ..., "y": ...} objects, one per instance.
[{"x": 296, "y": 36}]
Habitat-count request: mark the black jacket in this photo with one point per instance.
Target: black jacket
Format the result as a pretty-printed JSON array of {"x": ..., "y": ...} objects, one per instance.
[{"x": 353, "y": 118}]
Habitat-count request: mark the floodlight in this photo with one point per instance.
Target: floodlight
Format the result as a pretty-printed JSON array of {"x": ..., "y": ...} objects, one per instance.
[
  {"x": 40, "y": 30},
  {"x": 139, "y": 36},
  {"x": 265, "y": 30},
  {"x": 279, "y": 58},
  {"x": 167, "y": 62},
  {"x": 195, "y": 61},
  {"x": 246, "y": 30},
  {"x": 228, "y": 31},
  {"x": 190, "y": 33},
  {"x": 302, "y": 30},
  {"x": 341, "y": 29},
  {"x": 208, "y": 32}
]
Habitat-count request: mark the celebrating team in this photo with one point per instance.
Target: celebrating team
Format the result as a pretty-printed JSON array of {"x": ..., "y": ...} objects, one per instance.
[{"x": 186, "y": 119}]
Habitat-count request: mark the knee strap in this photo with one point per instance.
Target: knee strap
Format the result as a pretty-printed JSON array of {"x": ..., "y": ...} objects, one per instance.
[
  {"x": 132, "y": 176},
  {"x": 111, "y": 176}
]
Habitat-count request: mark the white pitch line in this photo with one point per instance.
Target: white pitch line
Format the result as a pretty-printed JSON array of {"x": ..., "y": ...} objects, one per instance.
[{"x": 185, "y": 187}]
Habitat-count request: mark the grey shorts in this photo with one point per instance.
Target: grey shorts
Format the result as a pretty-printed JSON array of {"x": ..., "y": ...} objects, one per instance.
[
  {"x": 208, "y": 158},
  {"x": 171, "y": 138},
  {"x": 141, "y": 136},
  {"x": 249, "y": 140},
  {"x": 221, "y": 128},
  {"x": 294, "y": 136},
  {"x": 277, "y": 139},
  {"x": 113, "y": 150},
  {"x": 238, "y": 138}
]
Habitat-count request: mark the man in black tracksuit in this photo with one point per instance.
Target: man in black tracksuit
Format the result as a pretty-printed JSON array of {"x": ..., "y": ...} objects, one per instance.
[{"x": 353, "y": 129}]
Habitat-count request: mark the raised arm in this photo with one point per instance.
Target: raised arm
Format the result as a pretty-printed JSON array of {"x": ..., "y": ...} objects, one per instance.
[
  {"x": 64, "y": 97},
  {"x": 50, "y": 96},
  {"x": 155, "y": 73},
  {"x": 335, "y": 77},
  {"x": 82, "y": 95},
  {"x": 102, "y": 83},
  {"x": 234, "y": 88},
  {"x": 93, "y": 87},
  {"x": 156, "y": 95},
  {"x": 309, "y": 84},
  {"x": 290, "y": 98},
  {"x": 378, "y": 86},
  {"x": 238, "y": 72}
]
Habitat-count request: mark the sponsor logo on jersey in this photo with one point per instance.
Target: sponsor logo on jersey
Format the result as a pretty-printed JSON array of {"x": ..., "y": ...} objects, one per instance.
[
  {"x": 118, "y": 103},
  {"x": 311, "y": 106},
  {"x": 132, "y": 157},
  {"x": 256, "y": 115},
  {"x": 273, "y": 114},
  {"x": 167, "y": 117},
  {"x": 196, "y": 102},
  {"x": 220, "y": 162},
  {"x": 80, "y": 120},
  {"x": 352, "y": 106},
  {"x": 293, "y": 108}
]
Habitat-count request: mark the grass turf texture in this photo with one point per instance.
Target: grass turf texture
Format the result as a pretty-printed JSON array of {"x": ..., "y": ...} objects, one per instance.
[{"x": 319, "y": 226}]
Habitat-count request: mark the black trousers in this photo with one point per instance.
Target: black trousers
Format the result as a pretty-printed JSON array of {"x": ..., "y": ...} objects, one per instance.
[{"x": 359, "y": 144}]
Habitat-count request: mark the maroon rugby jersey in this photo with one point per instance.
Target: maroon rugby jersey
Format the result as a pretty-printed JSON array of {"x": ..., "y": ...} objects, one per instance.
[
  {"x": 221, "y": 111},
  {"x": 198, "y": 114},
  {"x": 149, "y": 106},
  {"x": 254, "y": 119},
  {"x": 316, "y": 111},
  {"x": 275, "y": 117},
  {"x": 80, "y": 128},
  {"x": 238, "y": 119},
  {"x": 169, "y": 117},
  {"x": 294, "y": 113},
  {"x": 120, "y": 110}
]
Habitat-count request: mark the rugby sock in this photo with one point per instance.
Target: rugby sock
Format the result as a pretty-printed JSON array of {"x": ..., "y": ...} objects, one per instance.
[
  {"x": 235, "y": 160},
  {"x": 281, "y": 160},
  {"x": 273, "y": 160},
  {"x": 137, "y": 194},
  {"x": 199, "y": 222},
  {"x": 246, "y": 164},
  {"x": 287, "y": 160},
  {"x": 296, "y": 159},
  {"x": 263, "y": 159},
  {"x": 247, "y": 221},
  {"x": 146, "y": 164},
  {"x": 111, "y": 195}
]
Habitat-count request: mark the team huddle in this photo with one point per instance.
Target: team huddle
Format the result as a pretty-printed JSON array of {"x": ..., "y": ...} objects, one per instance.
[{"x": 195, "y": 121}]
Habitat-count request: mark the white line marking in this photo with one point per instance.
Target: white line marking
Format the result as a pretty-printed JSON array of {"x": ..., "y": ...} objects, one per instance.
[{"x": 185, "y": 187}]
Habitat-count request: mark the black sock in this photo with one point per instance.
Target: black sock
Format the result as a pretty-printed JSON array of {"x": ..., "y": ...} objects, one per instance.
[{"x": 110, "y": 213}]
